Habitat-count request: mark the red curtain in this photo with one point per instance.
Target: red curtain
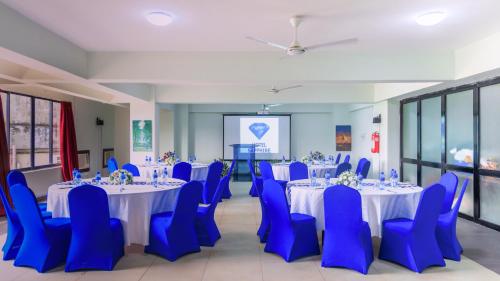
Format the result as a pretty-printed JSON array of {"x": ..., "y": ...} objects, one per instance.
[
  {"x": 69, "y": 157},
  {"x": 4, "y": 158}
]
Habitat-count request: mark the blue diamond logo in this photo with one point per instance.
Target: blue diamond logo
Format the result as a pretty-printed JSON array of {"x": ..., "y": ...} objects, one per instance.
[{"x": 259, "y": 129}]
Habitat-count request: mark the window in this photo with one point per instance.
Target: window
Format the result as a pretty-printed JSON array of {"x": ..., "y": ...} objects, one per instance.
[{"x": 32, "y": 130}]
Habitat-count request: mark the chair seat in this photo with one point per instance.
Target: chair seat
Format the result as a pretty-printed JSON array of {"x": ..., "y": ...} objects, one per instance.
[
  {"x": 57, "y": 222},
  {"x": 401, "y": 224},
  {"x": 46, "y": 215},
  {"x": 301, "y": 218}
]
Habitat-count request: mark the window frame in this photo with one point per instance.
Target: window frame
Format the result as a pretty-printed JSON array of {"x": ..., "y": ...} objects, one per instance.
[{"x": 33, "y": 165}]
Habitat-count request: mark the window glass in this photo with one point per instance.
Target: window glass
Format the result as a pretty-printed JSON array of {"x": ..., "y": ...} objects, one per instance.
[
  {"x": 20, "y": 131},
  {"x": 430, "y": 175},
  {"x": 410, "y": 173},
  {"x": 490, "y": 128},
  {"x": 459, "y": 129},
  {"x": 55, "y": 132},
  {"x": 431, "y": 130},
  {"x": 410, "y": 130},
  {"x": 42, "y": 132}
]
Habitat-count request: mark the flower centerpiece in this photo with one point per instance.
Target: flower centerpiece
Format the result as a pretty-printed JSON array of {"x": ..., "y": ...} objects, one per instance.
[
  {"x": 348, "y": 178},
  {"x": 168, "y": 158},
  {"x": 313, "y": 156},
  {"x": 114, "y": 178}
]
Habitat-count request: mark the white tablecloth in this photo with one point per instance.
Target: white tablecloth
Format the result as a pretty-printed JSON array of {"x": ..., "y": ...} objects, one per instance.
[
  {"x": 133, "y": 205},
  {"x": 282, "y": 171},
  {"x": 199, "y": 171},
  {"x": 377, "y": 205}
]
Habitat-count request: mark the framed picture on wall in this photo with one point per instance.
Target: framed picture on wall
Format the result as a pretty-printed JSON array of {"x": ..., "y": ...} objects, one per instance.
[
  {"x": 343, "y": 137},
  {"x": 142, "y": 135},
  {"x": 84, "y": 160},
  {"x": 106, "y": 154}
]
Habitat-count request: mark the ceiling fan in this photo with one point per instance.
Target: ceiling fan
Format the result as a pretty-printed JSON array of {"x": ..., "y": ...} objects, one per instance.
[
  {"x": 295, "y": 48},
  {"x": 275, "y": 90}
]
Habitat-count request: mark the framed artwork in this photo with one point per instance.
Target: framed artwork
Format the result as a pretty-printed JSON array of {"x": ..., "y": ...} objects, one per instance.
[
  {"x": 142, "y": 135},
  {"x": 106, "y": 154},
  {"x": 343, "y": 138},
  {"x": 84, "y": 160}
]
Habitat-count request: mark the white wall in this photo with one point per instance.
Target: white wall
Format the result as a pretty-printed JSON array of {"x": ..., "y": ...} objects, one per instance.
[
  {"x": 122, "y": 135},
  {"x": 362, "y": 123},
  {"x": 166, "y": 131}
]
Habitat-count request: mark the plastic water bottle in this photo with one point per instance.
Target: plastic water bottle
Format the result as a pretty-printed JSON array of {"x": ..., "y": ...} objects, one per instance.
[
  {"x": 327, "y": 178},
  {"x": 123, "y": 178},
  {"x": 283, "y": 160},
  {"x": 394, "y": 178},
  {"x": 159, "y": 160},
  {"x": 164, "y": 175},
  {"x": 360, "y": 181},
  {"x": 190, "y": 159},
  {"x": 155, "y": 178},
  {"x": 177, "y": 160},
  {"x": 313, "y": 178},
  {"x": 74, "y": 176},
  {"x": 98, "y": 177},
  {"x": 146, "y": 161},
  {"x": 382, "y": 180},
  {"x": 78, "y": 178}
]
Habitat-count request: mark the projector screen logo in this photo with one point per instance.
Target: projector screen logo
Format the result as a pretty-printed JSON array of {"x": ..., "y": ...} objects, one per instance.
[{"x": 259, "y": 129}]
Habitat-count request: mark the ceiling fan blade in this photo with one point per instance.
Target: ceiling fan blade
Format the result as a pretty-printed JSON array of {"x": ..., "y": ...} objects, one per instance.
[
  {"x": 291, "y": 87},
  {"x": 333, "y": 43},
  {"x": 274, "y": 105},
  {"x": 267, "y": 43}
]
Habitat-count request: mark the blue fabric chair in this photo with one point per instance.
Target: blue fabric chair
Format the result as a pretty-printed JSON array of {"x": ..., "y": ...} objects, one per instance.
[
  {"x": 45, "y": 243},
  {"x": 342, "y": 167},
  {"x": 132, "y": 169},
  {"x": 337, "y": 160},
  {"x": 450, "y": 182},
  {"x": 446, "y": 229},
  {"x": 17, "y": 177},
  {"x": 206, "y": 228},
  {"x": 97, "y": 241},
  {"x": 265, "y": 223},
  {"x": 413, "y": 243},
  {"x": 253, "y": 188},
  {"x": 182, "y": 171},
  {"x": 112, "y": 165},
  {"x": 363, "y": 167},
  {"x": 266, "y": 170},
  {"x": 292, "y": 236},
  {"x": 226, "y": 194},
  {"x": 14, "y": 230},
  {"x": 173, "y": 234},
  {"x": 298, "y": 171},
  {"x": 213, "y": 179},
  {"x": 347, "y": 241},
  {"x": 347, "y": 158}
]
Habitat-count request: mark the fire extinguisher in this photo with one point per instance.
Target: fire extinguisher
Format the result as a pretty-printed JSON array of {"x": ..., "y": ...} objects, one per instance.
[{"x": 375, "y": 142}]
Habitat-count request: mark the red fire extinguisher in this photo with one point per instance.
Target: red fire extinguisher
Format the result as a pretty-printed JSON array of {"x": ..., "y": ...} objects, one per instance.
[{"x": 375, "y": 142}]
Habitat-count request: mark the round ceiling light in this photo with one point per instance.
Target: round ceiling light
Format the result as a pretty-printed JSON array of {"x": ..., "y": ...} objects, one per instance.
[
  {"x": 159, "y": 18},
  {"x": 431, "y": 18}
]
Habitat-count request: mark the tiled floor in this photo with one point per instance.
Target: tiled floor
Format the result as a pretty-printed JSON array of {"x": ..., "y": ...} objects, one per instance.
[{"x": 238, "y": 256}]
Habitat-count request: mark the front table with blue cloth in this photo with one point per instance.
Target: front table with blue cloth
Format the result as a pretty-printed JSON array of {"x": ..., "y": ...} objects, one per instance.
[
  {"x": 377, "y": 205},
  {"x": 133, "y": 205},
  {"x": 281, "y": 171}
]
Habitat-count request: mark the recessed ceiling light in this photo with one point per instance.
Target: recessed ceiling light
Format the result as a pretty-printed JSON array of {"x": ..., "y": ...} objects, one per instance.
[
  {"x": 431, "y": 18},
  {"x": 159, "y": 18}
]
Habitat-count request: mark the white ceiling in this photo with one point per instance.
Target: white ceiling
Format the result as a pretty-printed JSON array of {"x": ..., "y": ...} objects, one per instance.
[{"x": 221, "y": 25}]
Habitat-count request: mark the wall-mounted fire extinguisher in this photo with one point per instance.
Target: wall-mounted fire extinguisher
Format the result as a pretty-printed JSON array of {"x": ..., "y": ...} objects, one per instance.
[{"x": 375, "y": 142}]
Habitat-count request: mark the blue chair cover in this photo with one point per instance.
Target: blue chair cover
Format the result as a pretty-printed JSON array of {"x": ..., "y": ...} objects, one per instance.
[
  {"x": 337, "y": 160},
  {"x": 265, "y": 224},
  {"x": 450, "y": 182},
  {"x": 298, "y": 171},
  {"x": 213, "y": 179},
  {"x": 342, "y": 167},
  {"x": 347, "y": 158},
  {"x": 266, "y": 170},
  {"x": 413, "y": 243},
  {"x": 446, "y": 229},
  {"x": 347, "y": 241},
  {"x": 253, "y": 188},
  {"x": 17, "y": 177},
  {"x": 363, "y": 167},
  {"x": 45, "y": 243},
  {"x": 182, "y": 171},
  {"x": 132, "y": 169},
  {"x": 97, "y": 241},
  {"x": 112, "y": 165},
  {"x": 206, "y": 228},
  {"x": 292, "y": 236},
  {"x": 173, "y": 234},
  {"x": 226, "y": 194},
  {"x": 14, "y": 230}
]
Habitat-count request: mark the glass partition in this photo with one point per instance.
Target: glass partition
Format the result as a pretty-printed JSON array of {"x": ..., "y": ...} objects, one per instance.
[
  {"x": 490, "y": 128},
  {"x": 409, "y": 173},
  {"x": 431, "y": 129},
  {"x": 460, "y": 129},
  {"x": 410, "y": 127},
  {"x": 430, "y": 176}
]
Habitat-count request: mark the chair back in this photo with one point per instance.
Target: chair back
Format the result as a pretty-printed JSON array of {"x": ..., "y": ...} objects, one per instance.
[
  {"x": 90, "y": 226},
  {"x": 6, "y": 205},
  {"x": 429, "y": 208},
  {"x": 132, "y": 169},
  {"x": 277, "y": 206},
  {"x": 450, "y": 182},
  {"x": 213, "y": 179},
  {"x": 16, "y": 177},
  {"x": 28, "y": 212},
  {"x": 456, "y": 207},
  {"x": 342, "y": 167},
  {"x": 182, "y": 171},
  {"x": 230, "y": 171},
  {"x": 298, "y": 171},
  {"x": 255, "y": 181},
  {"x": 347, "y": 158},
  {"x": 342, "y": 206},
  {"x": 363, "y": 167},
  {"x": 218, "y": 193},
  {"x": 266, "y": 170},
  {"x": 112, "y": 165},
  {"x": 186, "y": 204},
  {"x": 337, "y": 160}
]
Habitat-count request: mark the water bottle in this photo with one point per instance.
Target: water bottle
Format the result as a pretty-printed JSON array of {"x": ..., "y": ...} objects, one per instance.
[
  {"x": 78, "y": 177},
  {"x": 98, "y": 177},
  {"x": 395, "y": 178},
  {"x": 313, "y": 178},
  {"x": 382, "y": 180},
  {"x": 123, "y": 178},
  {"x": 164, "y": 175},
  {"x": 146, "y": 161},
  {"x": 283, "y": 160},
  {"x": 148, "y": 176},
  {"x": 155, "y": 178},
  {"x": 294, "y": 159},
  {"x": 309, "y": 162},
  {"x": 360, "y": 181},
  {"x": 327, "y": 178},
  {"x": 177, "y": 160},
  {"x": 190, "y": 159},
  {"x": 74, "y": 176},
  {"x": 159, "y": 160}
]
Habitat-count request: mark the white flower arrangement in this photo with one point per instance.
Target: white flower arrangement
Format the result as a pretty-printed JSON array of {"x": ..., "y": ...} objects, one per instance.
[
  {"x": 348, "y": 178},
  {"x": 313, "y": 156},
  {"x": 114, "y": 178}
]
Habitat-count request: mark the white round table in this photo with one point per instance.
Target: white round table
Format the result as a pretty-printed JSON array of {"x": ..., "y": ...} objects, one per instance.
[
  {"x": 133, "y": 205},
  {"x": 281, "y": 171},
  {"x": 377, "y": 205},
  {"x": 199, "y": 171}
]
